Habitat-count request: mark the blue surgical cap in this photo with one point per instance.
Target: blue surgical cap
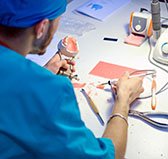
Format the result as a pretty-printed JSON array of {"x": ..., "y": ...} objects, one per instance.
[{"x": 26, "y": 13}]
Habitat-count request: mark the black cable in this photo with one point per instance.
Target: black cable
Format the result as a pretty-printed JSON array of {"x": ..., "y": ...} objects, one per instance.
[
  {"x": 164, "y": 25},
  {"x": 143, "y": 9}
]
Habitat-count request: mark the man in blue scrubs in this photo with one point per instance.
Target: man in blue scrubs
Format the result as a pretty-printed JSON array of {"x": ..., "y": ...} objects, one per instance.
[{"x": 39, "y": 115}]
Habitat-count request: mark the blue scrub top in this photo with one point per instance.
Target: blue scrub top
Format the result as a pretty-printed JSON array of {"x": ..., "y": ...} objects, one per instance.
[{"x": 39, "y": 115}]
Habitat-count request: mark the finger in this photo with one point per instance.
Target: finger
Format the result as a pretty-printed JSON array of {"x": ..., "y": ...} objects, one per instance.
[
  {"x": 55, "y": 58},
  {"x": 72, "y": 68},
  {"x": 114, "y": 88},
  {"x": 125, "y": 75},
  {"x": 71, "y": 62},
  {"x": 63, "y": 64},
  {"x": 142, "y": 90}
]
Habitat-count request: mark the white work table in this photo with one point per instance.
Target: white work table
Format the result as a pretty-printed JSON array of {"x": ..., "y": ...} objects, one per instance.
[{"x": 144, "y": 141}]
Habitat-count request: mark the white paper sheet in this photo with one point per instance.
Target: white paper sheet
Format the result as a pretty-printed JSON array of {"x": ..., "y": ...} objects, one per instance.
[{"x": 100, "y": 9}]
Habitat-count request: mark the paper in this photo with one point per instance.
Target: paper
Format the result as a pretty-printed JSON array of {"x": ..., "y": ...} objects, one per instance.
[
  {"x": 100, "y": 9},
  {"x": 69, "y": 25}
]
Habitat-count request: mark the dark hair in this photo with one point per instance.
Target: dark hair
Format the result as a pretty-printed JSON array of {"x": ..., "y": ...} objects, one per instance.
[
  {"x": 11, "y": 31},
  {"x": 14, "y": 32}
]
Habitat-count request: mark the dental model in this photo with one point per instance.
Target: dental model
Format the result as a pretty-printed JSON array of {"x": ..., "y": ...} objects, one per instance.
[{"x": 68, "y": 47}]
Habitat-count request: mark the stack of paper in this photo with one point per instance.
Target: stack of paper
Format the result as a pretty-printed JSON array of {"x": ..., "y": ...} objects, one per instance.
[{"x": 100, "y": 9}]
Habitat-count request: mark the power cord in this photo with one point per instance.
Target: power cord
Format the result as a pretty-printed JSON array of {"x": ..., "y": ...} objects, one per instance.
[
  {"x": 163, "y": 69},
  {"x": 165, "y": 86}
]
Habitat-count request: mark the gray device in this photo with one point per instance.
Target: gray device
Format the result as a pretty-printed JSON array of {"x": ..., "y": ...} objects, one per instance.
[
  {"x": 160, "y": 53},
  {"x": 155, "y": 10}
]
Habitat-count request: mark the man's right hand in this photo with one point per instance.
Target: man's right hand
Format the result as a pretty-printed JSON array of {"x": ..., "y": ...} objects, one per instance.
[
  {"x": 56, "y": 64},
  {"x": 128, "y": 89}
]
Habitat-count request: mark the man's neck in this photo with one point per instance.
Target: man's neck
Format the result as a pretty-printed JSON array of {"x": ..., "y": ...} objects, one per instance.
[{"x": 19, "y": 45}]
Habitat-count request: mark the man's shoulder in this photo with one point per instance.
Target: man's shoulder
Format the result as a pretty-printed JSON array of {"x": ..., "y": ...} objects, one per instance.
[{"x": 27, "y": 73}]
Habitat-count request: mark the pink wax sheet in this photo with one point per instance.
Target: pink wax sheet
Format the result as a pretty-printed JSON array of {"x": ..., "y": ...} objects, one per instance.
[
  {"x": 133, "y": 39},
  {"x": 109, "y": 71}
]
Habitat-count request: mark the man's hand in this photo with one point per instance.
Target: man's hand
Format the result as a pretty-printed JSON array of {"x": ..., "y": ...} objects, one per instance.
[
  {"x": 56, "y": 64},
  {"x": 129, "y": 88}
]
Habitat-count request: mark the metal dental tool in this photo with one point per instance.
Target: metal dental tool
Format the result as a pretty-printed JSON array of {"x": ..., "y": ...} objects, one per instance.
[
  {"x": 93, "y": 106},
  {"x": 137, "y": 73},
  {"x": 147, "y": 117}
]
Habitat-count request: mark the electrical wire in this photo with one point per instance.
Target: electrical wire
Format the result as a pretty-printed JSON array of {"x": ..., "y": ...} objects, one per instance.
[
  {"x": 149, "y": 55},
  {"x": 163, "y": 88}
]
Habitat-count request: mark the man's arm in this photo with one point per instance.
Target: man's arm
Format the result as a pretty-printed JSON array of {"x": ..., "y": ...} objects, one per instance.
[{"x": 127, "y": 91}]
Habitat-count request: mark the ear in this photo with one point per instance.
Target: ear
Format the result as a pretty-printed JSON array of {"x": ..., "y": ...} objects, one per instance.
[{"x": 41, "y": 28}]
